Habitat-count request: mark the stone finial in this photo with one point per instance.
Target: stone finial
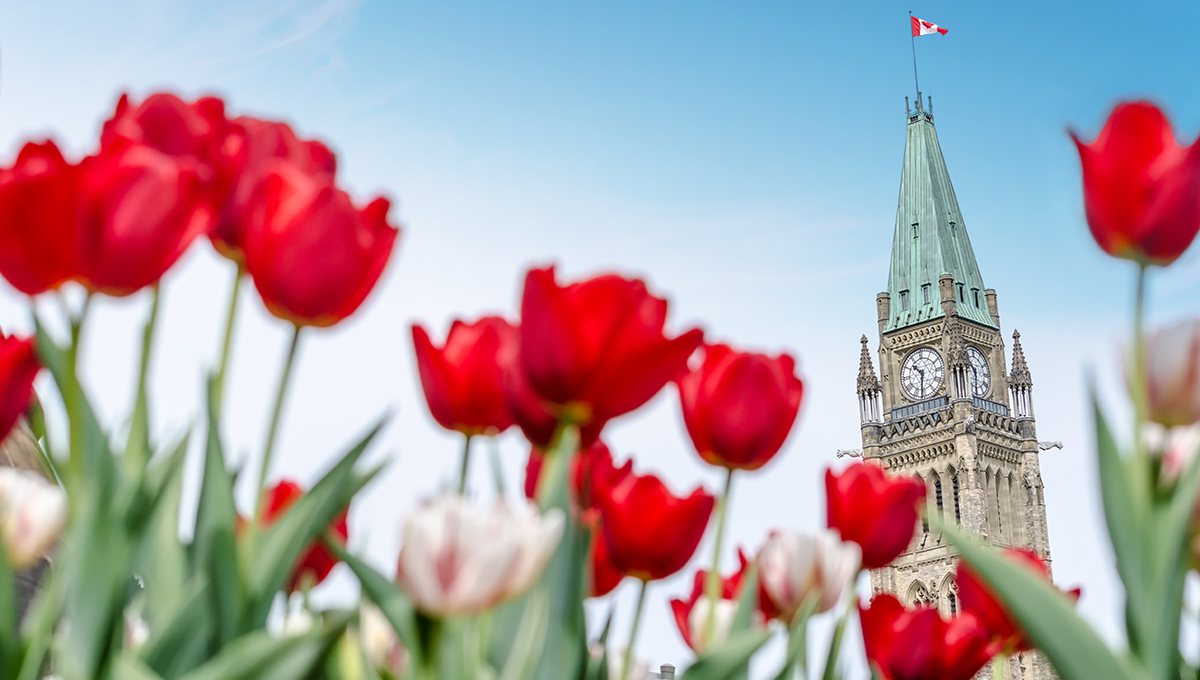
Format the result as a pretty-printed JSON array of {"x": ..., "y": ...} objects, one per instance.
[
  {"x": 1019, "y": 376},
  {"x": 867, "y": 382},
  {"x": 956, "y": 346}
]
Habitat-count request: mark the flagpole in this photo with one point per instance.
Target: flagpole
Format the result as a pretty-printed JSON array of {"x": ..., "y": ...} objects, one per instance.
[{"x": 913, "y": 40}]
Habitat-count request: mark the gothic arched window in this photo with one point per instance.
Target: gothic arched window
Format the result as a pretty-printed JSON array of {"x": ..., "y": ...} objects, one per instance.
[
  {"x": 953, "y": 603},
  {"x": 937, "y": 492}
]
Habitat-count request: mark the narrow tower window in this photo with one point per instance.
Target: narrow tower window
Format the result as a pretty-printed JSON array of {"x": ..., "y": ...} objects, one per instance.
[
  {"x": 975, "y": 292},
  {"x": 950, "y": 597},
  {"x": 961, "y": 295},
  {"x": 925, "y": 292},
  {"x": 953, "y": 231},
  {"x": 937, "y": 491},
  {"x": 904, "y": 299},
  {"x": 914, "y": 226},
  {"x": 954, "y": 483}
]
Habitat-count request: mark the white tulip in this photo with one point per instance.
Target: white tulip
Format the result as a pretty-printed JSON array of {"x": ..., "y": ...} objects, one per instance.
[
  {"x": 1173, "y": 374},
  {"x": 794, "y": 566},
  {"x": 722, "y": 622},
  {"x": 379, "y": 639},
  {"x": 297, "y": 622},
  {"x": 458, "y": 558},
  {"x": 136, "y": 631},
  {"x": 33, "y": 513}
]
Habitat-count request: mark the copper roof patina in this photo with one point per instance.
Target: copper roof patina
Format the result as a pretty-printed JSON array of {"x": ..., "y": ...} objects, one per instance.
[{"x": 931, "y": 237}]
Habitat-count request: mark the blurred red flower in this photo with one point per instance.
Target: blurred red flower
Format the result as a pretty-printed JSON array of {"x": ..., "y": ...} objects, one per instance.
[
  {"x": 651, "y": 533},
  {"x": 1141, "y": 188},
  {"x": 462, "y": 380},
  {"x": 19, "y": 365},
  {"x": 977, "y": 598},
  {"x": 739, "y": 407},
  {"x": 313, "y": 256},
  {"x": 918, "y": 644},
  {"x": 875, "y": 510},
  {"x": 595, "y": 349},
  {"x": 250, "y": 147},
  {"x": 316, "y": 561},
  {"x": 141, "y": 210},
  {"x": 39, "y": 219}
]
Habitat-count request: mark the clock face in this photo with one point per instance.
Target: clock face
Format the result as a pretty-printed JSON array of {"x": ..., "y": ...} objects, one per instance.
[
  {"x": 980, "y": 377},
  {"x": 922, "y": 373}
]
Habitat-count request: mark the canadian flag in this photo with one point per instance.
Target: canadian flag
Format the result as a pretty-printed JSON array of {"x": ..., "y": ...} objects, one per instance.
[{"x": 921, "y": 27}]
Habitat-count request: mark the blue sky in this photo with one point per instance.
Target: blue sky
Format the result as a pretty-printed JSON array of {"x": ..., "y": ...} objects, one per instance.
[{"x": 744, "y": 157}]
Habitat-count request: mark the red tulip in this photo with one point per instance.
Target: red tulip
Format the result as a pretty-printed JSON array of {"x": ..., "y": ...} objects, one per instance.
[
  {"x": 1141, "y": 189},
  {"x": 313, "y": 256},
  {"x": 875, "y": 510},
  {"x": 192, "y": 134},
  {"x": 316, "y": 561},
  {"x": 739, "y": 407},
  {"x": 692, "y": 614},
  {"x": 594, "y": 350},
  {"x": 462, "y": 380},
  {"x": 651, "y": 533},
  {"x": 978, "y": 599},
  {"x": 592, "y": 473},
  {"x": 250, "y": 148},
  {"x": 39, "y": 219},
  {"x": 141, "y": 211},
  {"x": 918, "y": 644},
  {"x": 18, "y": 367},
  {"x": 529, "y": 411}
]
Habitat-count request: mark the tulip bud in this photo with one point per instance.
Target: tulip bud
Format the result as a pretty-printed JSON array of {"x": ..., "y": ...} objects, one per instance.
[
  {"x": 32, "y": 516},
  {"x": 462, "y": 379},
  {"x": 1173, "y": 374},
  {"x": 383, "y": 649},
  {"x": 458, "y": 558},
  {"x": 876, "y": 510},
  {"x": 739, "y": 407},
  {"x": 1140, "y": 186},
  {"x": 794, "y": 567}
]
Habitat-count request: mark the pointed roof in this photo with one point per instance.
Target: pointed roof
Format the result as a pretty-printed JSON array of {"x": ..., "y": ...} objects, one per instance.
[
  {"x": 931, "y": 236},
  {"x": 1020, "y": 375}
]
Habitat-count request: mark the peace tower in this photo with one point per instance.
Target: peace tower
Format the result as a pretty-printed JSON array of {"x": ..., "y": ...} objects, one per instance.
[{"x": 944, "y": 406}]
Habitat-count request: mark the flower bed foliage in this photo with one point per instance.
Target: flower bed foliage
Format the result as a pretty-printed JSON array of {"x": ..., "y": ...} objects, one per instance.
[{"x": 497, "y": 591}]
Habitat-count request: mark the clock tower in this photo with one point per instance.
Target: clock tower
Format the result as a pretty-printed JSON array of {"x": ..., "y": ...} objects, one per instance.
[{"x": 945, "y": 407}]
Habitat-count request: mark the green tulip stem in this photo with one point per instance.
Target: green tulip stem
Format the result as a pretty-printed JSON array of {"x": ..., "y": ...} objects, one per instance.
[
  {"x": 1139, "y": 361},
  {"x": 227, "y": 344},
  {"x": 712, "y": 581},
  {"x": 835, "y": 644},
  {"x": 141, "y": 424},
  {"x": 627, "y": 662},
  {"x": 74, "y": 392},
  {"x": 466, "y": 462},
  {"x": 269, "y": 446}
]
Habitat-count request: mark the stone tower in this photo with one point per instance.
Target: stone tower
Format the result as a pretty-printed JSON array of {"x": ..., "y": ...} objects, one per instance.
[{"x": 944, "y": 407}]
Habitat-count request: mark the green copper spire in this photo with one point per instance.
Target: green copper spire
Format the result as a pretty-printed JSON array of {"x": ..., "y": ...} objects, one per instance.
[{"x": 931, "y": 237}]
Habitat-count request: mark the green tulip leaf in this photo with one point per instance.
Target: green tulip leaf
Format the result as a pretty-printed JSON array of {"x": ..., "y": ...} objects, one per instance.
[
  {"x": 531, "y": 637},
  {"x": 93, "y": 464},
  {"x": 395, "y": 604},
  {"x": 565, "y": 654},
  {"x": 729, "y": 659},
  {"x": 162, "y": 557},
  {"x": 262, "y": 656},
  {"x": 213, "y": 551},
  {"x": 797, "y": 645},
  {"x": 1173, "y": 523},
  {"x": 1126, "y": 514},
  {"x": 137, "y": 448},
  {"x": 180, "y": 637},
  {"x": 10, "y": 634},
  {"x": 747, "y": 599},
  {"x": 1047, "y": 616},
  {"x": 597, "y": 665},
  {"x": 280, "y": 544},
  {"x": 127, "y": 666}
]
